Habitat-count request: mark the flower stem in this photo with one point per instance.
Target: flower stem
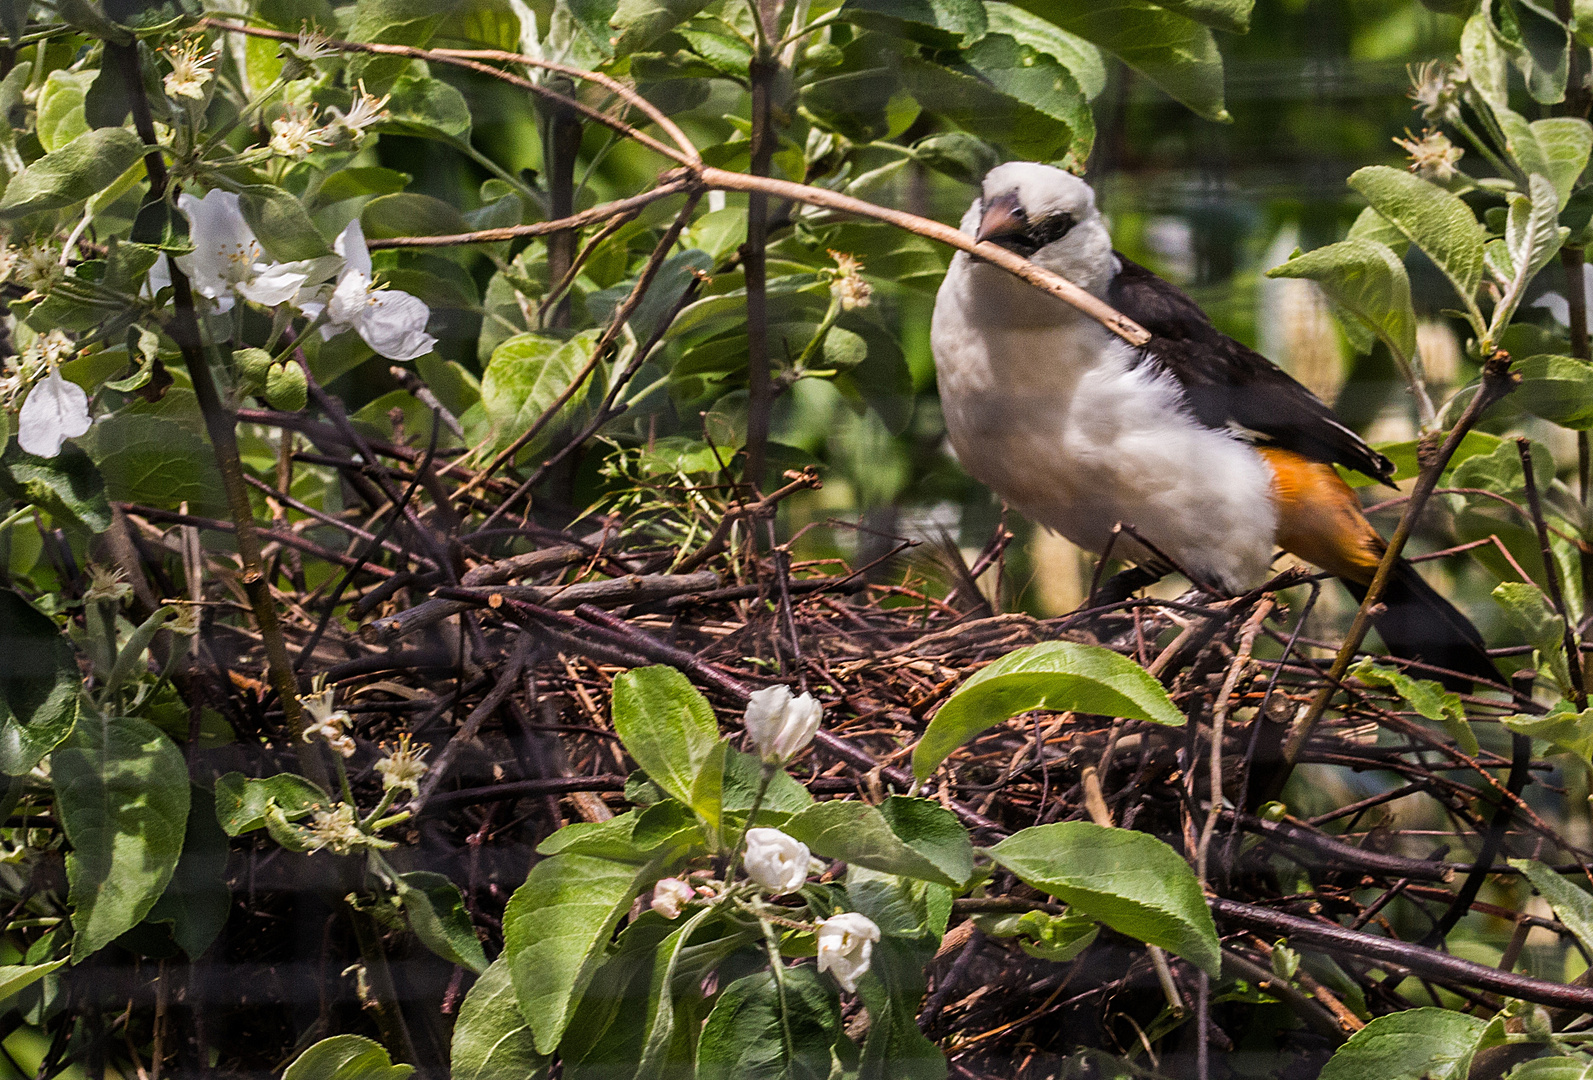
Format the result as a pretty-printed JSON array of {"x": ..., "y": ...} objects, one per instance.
[{"x": 752, "y": 815}]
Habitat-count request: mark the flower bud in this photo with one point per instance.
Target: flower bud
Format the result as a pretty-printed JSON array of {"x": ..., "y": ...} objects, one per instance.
[
  {"x": 775, "y": 861},
  {"x": 846, "y": 947},
  {"x": 781, "y": 725},
  {"x": 670, "y": 895}
]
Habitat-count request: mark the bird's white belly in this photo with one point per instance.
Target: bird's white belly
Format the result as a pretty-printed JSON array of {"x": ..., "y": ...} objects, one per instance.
[{"x": 1061, "y": 424}]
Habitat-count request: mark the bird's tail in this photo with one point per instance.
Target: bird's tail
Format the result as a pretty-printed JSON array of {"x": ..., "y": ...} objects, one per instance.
[{"x": 1418, "y": 624}]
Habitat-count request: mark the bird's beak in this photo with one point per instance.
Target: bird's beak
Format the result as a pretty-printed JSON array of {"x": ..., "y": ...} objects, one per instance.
[{"x": 1001, "y": 218}]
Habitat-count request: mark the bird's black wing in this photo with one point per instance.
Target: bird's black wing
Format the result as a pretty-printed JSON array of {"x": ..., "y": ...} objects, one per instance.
[{"x": 1231, "y": 386}]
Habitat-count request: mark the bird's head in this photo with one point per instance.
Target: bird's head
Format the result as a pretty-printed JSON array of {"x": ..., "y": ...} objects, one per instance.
[{"x": 1047, "y": 215}]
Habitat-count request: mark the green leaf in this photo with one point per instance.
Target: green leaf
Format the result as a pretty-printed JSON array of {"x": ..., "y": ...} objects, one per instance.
[
  {"x": 1417, "y": 1044},
  {"x": 197, "y": 901},
  {"x": 526, "y": 374},
  {"x": 1366, "y": 279},
  {"x": 282, "y": 224},
  {"x": 1009, "y": 94},
  {"x": 750, "y": 1036},
  {"x": 1431, "y": 218},
  {"x": 1538, "y": 44},
  {"x": 641, "y": 22},
  {"x": 1553, "y": 1068},
  {"x": 554, "y": 932},
  {"x": 1529, "y": 610},
  {"x": 68, "y": 485},
  {"x": 428, "y": 108},
  {"x": 437, "y": 914},
  {"x": 1532, "y": 231},
  {"x": 1565, "y": 142},
  {"x": 1485, "y": 60},
  {"x": 360, "y": 182},
  {"x": 1571, "y": 905},
  {"x": 1230, "y": 15},
  {"x": 668, "y": 728},
  {"x": 932, "y": 831},
  {"x": 409, "y": 214},
  {"x": 1370, "y": 225},
  {"x": 1071, "y": 51},
  {"x": 156, "y": 461},
  {"x": 1558, "y": 389},
  {"x": 855, "y": 832},
  {"x": 1058, "y": 675},
  {"x": 121, "y": 788},
  {"x": 491, "y": 1039},
  {"x": 86, "y": 165},
  {"x": 15, "y": 977},
  {"x": 40, "y": 685},
  {"x": 1128, "y": 880},
  {"x": 940, "y": 24},
  {"x": 1427, "y": 697},
  {"x": 346, "y": 1057},
  {"x": 1177, "y": 54},
  {"x": 243, "y": 802},
  {"x": 1567, "y": 732},
  {"x": 1057, "y": 938},
  {"x": 60, "y": 106}
]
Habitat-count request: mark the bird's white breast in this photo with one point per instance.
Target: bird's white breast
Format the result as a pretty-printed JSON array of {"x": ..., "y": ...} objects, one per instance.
[{"x": 1048, "y": 408}]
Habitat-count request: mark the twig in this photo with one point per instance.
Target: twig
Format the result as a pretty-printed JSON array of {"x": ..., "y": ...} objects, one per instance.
[
  {"x": 1219, "y": 715},
  {"x": 1551, "y": 575}
]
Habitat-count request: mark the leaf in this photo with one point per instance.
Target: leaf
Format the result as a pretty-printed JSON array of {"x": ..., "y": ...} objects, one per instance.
[
  {"x": 428, "y": 108},
  {"x": 346, "y": 1057},
  {"x": 1567, "y": 732},
  {"x": 1434, "y": 220},
  {"x": 855, "y": 832},
  {"x": 1177, "y": 54},
  {"x": 1230, "y": 15},
  {"x": 86, "y": 165},
  {"x": 1417, "y": 1044},
  {"x": 242, "y": 802},
  {"x": 1370, "y": 225},
  {"x": 1529, "y": 610},
  {"x": 749, "y": 1036},
  {"x": 281, "y": 223},
  {"x": 668, "y": 728},
  {"x": 1532, "y": 230},
  {"x": 1057, "y": 938},
  {"x": 932, "y": 831},
  {"x": 67, "y": 485},
  {"x": 1553, "y": 1068},
  {"x": 156, "y": 461},
  {"x": 121, "y": 788},
  {"x": 410, "y": 214},
  {"x": 197, "y": 901},
  {"x": 1128, "y": 880},
  {"x": 491, "y": 1039},
  {"x": 1565, "y": 142},
  {"x": 1071, "y": 51},
  {"x": 1009, "y": 94},
  {"x": 554, "y": 931},
  {"x": 1571, "y": 905},
  {"x": 60, "y": 106},
  {"x": 40, "y": 685},
  {"x": 526, "y": 374},
  {"x": 1058, "y": 675},
  {"x": 437, "y": 914},
  {"x": 358, "y": 182},
  {"x": 14, "y": 977},
  {"x": 1557, "y": 388},
  {"x": 940, "y": 24},
  {"x": 1366, "y": 279},
  {"x": 1427, "y": 697},
  {"x": 1538, "y": 44},
  {"x": 1486, "y": 64}
]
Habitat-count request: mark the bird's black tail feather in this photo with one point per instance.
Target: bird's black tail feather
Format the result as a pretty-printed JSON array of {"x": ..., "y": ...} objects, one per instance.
[{"x": 1418, "y": 624}]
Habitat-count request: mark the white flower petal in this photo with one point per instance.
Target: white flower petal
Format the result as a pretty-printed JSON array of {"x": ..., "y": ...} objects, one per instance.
[
  {"x": 271, "y": 284},
  {"x": 348, "y": 301},
  {"x": 350, "y": 244},
  {"x": 56, "y": 410},
  {"x": 846, "y": 947},
  {"x": 394, "y": 325},
  {"x": 776, "y": 861}
]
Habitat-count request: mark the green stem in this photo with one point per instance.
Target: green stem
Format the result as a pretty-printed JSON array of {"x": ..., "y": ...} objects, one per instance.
[
  {"x": 752, "y": 815},
  {"x": 367, "y": 825}
]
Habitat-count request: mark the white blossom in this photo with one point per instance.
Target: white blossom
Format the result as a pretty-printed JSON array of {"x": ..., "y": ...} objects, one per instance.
[
  {"x": 325, "y": 721},
  {"x": 1433, "y": 155},
  {"x": 846, "y": 947},
  {"x": 670, "y": 895},
  {"x": 392, "y": 322},
  {"x": 107, "y": 583},
  {"x": 56, "y": 410},
  {"x": 189, "y": 71},
  {"x": 846, "y": 282},
  {"x": 776, "y": 861},
  {"x": 781, "y": 725},
  {"x": 227, "y": 260},
  {"x": 1435, "y": 87},
  {"x": 336, "y": 830},
  {"x": 295, "y": 134},
  {"x": 403, "y": 767},
  {"x": 366, "y": 110}
]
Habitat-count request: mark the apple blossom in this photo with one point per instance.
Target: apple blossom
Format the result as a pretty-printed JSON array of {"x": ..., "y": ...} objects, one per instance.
[
  {"x": 55, "y": 410},
  {"x": 189, "y": 72},
  {"x": 227, "y": 259},
  {"x": 776, "y": 861},
  {"x": 392, "y": 322},
  {"x": 846, "y": 947},
  {"x": 670, "y": 895},
  {"x": 781, "y": 725}
]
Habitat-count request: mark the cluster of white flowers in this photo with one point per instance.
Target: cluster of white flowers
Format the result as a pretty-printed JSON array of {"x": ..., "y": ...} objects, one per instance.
[
  {"x": 228, "y": 262},
  {"x": 298, "y": 132},
  {"x": 325, "y": 721}
]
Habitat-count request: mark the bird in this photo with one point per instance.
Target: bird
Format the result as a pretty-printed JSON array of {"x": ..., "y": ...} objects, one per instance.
[{"x": 1191, "y": 452}]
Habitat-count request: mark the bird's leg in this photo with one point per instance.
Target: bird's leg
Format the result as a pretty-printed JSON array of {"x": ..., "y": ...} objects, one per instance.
[{"x": 1125, "y": 583}]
